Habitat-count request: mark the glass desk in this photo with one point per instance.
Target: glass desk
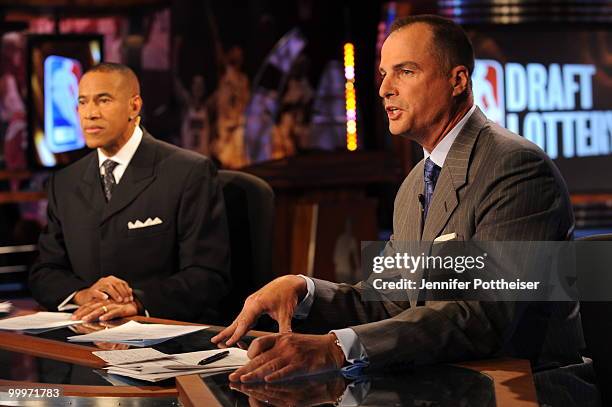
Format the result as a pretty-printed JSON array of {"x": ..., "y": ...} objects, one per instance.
[
  {"x": 48, "y": 360},
  {"x": 428, "y": 386}
]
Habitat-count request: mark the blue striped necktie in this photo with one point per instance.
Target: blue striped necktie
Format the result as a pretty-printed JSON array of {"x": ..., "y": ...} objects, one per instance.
[{"x": 431, "y": 173}]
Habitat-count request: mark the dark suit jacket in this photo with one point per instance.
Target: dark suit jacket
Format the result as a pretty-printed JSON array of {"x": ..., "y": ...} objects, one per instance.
[
  {"x": 494, "y": 186},
  {"x": 179, "y": 268}
]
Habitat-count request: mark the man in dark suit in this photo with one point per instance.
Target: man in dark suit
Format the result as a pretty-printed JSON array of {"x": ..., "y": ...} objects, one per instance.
[
  {"x": 137, "y": 226},
  {"x": 477, "y": 182}
]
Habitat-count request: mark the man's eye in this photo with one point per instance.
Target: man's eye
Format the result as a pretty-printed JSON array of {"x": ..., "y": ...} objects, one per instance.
[
  {"x": 407, "y": 72},
  {"x": 105, "y": 100}
]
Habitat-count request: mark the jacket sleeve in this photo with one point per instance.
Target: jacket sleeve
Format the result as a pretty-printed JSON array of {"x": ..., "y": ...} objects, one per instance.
[{"x": 51, "y": 278}]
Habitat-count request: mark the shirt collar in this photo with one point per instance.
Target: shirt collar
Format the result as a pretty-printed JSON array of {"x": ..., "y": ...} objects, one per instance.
[
  {"x": 439, "y": 153},
  {"x": 125, "y": 154}
]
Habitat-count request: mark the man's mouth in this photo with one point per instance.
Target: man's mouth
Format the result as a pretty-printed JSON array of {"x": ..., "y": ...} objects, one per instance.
[
  {"x": 393, "y": 112},
  {"x": 93, "y": 129}
]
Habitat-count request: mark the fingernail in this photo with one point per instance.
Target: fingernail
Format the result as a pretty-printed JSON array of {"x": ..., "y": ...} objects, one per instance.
[{"x": 120, "y": 299}]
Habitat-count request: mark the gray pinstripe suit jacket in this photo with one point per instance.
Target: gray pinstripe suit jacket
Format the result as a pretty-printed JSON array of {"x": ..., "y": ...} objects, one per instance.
[{"x": 494, "y": 186}]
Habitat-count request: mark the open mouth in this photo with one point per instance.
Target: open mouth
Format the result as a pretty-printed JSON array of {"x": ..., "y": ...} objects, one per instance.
[{"x": 393, "y": 112}]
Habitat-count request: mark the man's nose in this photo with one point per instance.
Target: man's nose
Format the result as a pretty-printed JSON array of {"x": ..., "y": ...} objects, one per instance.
[
  {"x": 386, "y": 89},
  {"x": 89, "y": 111}
]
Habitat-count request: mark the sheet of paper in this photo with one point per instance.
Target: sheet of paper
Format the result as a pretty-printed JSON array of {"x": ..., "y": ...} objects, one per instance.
[
  {"x": 130, "y": 356},
  {"x": 6, "y": 306},
  {"x": 156, "y": 370},
  {"x": 38, "y": 321},
  {"x": 137, "y": 334}
]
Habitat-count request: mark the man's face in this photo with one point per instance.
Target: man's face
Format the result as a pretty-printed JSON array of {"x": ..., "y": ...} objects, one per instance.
[
  {"x": 416, "y": 93},
  {"x": 106, "y": 104}
]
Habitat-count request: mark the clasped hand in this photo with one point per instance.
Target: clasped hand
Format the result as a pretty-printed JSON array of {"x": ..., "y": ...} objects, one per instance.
[{"x": 108, "y": 298}]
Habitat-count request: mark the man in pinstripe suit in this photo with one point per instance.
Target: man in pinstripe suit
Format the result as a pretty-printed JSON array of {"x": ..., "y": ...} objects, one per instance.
[{"x": 478, "y": 181}]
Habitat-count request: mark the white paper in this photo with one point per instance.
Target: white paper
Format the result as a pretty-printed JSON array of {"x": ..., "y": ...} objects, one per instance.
[
  {"x": 129, "y": 356},
  {"x": 155, "y": 370},
  {"x": 38, "y": 321},
  {"x": 6, "y": 306},
  {"x": 136, "y": 334}
]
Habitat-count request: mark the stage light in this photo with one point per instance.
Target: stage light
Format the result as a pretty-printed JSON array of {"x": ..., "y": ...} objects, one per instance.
[{"x": 350, "y": 97}]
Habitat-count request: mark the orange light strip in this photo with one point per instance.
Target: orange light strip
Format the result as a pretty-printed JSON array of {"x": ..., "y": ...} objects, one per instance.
[{"x": 350, "y": 97}]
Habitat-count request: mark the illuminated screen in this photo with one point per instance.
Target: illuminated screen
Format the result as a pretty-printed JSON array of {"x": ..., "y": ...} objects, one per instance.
[
  {"x": 56, "y": 64},
  {"x": 553, "y": 87}
]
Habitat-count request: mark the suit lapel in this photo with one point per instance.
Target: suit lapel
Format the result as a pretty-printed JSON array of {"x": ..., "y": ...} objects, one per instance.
[
  {"x": 452, "y": 177},
  {"x": 409, "y": 209},
  {"x": 137, "y": 176},
  {"x": 90, "y": 187}
]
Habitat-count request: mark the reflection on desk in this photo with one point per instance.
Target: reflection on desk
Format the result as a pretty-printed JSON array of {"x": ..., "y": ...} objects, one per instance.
[{"x": 423, "y": 386}]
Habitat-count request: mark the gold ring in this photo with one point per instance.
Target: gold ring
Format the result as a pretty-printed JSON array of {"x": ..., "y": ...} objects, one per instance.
[{"x": 105, "y": 309}]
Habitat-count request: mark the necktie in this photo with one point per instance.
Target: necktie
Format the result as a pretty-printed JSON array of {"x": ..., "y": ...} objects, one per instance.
[
  {"x": 108, "y": 179},
  {"x": 431, "y": 173}
]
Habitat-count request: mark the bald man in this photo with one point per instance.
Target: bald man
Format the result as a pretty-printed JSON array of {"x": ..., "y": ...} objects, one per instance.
[{"x": 137, "y": 226}]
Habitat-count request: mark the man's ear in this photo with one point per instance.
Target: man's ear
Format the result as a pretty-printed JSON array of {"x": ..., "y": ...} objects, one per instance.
[
  {"x": 459, "y": 79},
  {"x": 135, "y": 106}
]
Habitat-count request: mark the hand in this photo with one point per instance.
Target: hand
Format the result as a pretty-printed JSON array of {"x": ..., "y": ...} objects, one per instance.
[
  {"x": 315, "y": 391},
  {"x": 118, "y": 290},
  {"x": 278, "y": 299},
  {"x": 282, "y": 356},
  {"x": 106, "y": 310}
]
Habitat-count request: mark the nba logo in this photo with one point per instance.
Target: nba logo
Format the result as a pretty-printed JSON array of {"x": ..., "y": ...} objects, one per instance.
[{"x": 488, "y": 86}]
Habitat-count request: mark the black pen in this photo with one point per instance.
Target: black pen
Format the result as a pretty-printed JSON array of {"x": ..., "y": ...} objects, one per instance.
[{"x": 213, "y": 358}]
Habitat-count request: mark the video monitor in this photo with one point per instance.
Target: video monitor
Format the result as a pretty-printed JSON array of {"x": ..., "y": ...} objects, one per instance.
[
  {"x": 553, "y": 85},
  {"x": 55, "y": 66}
]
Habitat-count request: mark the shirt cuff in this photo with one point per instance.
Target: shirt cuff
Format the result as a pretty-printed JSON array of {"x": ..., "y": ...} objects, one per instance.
[
  {"x": 66, "y": 305},
  {"x": 303, "y": 308},
  {"x": 353, "y": 350}
]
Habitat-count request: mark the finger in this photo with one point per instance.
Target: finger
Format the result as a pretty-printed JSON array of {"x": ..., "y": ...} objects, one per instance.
[
  {"x": 85, "y": 309},
  {"x": 124, "y": 289},
  {"x": 225, "y": 333},
  {"x": 285, "y": 372},
  {"x": 93, "y": 315},
  {"x": 116, "y": 311},
  {"x": 249, "y": 367},
  {"x": 284, "y": 322},
  {"x": 112, "y": 292},
  {"x": 244, "y": 323},
  {"x": 98, "y": 295},
  {"x": 264, "y": 370},
  {"x": 260, "y": 345},
  {"x": 119, "y": 311}
]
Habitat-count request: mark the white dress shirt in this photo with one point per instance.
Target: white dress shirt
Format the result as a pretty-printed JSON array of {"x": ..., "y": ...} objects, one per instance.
[
  {"x": 349, "y": 342},
  {"x": 123, "y": 156}
]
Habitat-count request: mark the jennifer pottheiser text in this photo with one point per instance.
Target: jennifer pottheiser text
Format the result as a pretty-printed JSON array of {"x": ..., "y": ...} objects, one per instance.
[{"x": 455, "y": 284}]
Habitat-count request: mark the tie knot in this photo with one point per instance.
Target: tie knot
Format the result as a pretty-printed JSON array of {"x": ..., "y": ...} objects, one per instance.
[
  {"x": 109, "y": 166},
  {"x": 431, "y": 171}
]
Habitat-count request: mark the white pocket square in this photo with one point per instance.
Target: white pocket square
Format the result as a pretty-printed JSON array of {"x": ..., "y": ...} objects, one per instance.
[
  {"x": 149, "y": 222},
  {"x": 444, "y": 238}
]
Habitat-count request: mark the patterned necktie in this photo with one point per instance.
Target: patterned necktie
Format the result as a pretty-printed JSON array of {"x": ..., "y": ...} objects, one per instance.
[
  {"x": 108, "y": 179},
  {"x": 431, "y": 173}
]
